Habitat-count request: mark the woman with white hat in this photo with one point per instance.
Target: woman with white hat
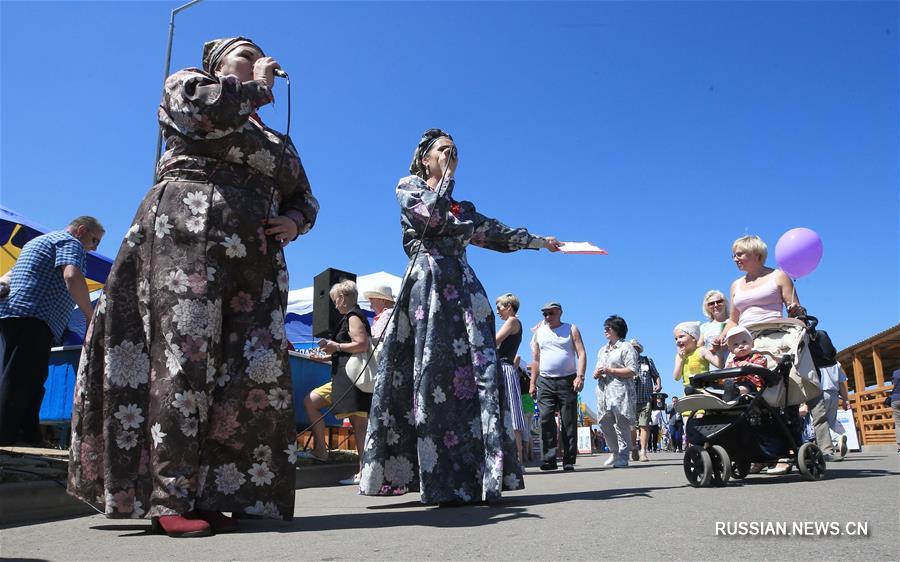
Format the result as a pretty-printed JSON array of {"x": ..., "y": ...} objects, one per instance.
[{"x": 382, "y": 301}]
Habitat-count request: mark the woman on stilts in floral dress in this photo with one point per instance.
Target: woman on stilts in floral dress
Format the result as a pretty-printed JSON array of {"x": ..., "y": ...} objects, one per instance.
[
  {"x": 437, "y": 423},
  {"x": 183, "y": 407}
]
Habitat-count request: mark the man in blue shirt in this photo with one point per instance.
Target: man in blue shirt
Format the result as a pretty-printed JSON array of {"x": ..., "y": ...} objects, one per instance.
[{"x": 36, "y": 299}]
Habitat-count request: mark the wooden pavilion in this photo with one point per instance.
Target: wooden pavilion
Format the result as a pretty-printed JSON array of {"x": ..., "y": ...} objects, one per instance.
[{"x": 869, "y": 365}]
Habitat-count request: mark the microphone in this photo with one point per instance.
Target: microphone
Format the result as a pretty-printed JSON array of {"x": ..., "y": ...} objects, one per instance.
[{"x": 280, "y": 73}]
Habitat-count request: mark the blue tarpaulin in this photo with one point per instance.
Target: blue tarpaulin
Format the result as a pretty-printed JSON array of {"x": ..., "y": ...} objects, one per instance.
[{"x": 60, "y": 386}]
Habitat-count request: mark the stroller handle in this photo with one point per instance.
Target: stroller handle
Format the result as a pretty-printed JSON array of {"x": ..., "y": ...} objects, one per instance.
[{"x": 770, "y": 378}]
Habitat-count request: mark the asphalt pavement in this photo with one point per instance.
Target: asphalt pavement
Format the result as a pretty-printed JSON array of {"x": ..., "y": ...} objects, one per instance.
[{"x": 643, "y": 512}]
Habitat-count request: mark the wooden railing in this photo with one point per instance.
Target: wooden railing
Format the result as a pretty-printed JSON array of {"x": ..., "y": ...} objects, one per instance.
[
  {"x": 335, "y": 438},
  {"x": 874, "y": 420}
]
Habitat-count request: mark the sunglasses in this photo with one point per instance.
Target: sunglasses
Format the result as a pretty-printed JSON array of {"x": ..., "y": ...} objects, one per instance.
[
  {"x": 715, "y": 303},
  {"x": 547, "y": 313}
]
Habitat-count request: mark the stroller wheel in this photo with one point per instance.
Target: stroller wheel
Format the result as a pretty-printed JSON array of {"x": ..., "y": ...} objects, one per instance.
[
  {"x": 697, "y": 466},
  {"x": 721, "y": 465},
  {"x": 810, "y": 461},
  {"x": 740, "y": 469}
]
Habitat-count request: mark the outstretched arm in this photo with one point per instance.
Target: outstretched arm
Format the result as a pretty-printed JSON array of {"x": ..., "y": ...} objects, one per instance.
[{"x": 494, "y": 235}]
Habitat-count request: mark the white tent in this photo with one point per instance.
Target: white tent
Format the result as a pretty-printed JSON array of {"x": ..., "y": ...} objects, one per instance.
[
  {"x": 300, "y": 301},
  {"x": 298, "y": 318}
]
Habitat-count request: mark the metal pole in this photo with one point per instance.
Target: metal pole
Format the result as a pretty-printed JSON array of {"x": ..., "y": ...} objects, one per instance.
[{"x": 159, "y": 137}]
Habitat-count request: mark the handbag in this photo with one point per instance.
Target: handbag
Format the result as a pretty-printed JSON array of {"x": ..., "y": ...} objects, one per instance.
[
  {"x": 821, "y": 347},
  {"x": 362, "y": 370}
]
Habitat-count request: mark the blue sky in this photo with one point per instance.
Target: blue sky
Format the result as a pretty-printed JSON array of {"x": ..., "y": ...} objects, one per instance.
[{"x": 661, "y": 131}]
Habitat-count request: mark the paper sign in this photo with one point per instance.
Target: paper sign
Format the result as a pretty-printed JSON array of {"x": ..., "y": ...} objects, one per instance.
[
  {"x": 581, "y": 248},
  {"x": 584, "y": 441},
  {"x": 846, "y": 425}
]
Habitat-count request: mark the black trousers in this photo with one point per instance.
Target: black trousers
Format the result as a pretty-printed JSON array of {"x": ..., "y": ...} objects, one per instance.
[
  {"x": 558, "y": 394},
  {"x": 25, "y": 351}
]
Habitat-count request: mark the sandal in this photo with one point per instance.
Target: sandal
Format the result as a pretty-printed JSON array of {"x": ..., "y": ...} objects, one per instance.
[
  {"x": 780, "y": 468},
  {"x": 309, "y": 455}
]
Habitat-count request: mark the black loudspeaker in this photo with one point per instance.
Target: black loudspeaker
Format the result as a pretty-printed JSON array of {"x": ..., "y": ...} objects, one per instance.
[{"x": 325, "y": 315}]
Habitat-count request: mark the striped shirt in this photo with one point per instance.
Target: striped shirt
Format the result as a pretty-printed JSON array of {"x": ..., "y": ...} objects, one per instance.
[{"x": 37, "y": 288}]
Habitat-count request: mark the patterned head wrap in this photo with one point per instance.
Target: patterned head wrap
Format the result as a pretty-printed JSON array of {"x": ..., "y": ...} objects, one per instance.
[
  {"x": 429, "y": 137},
  {"x": 690, "y": 328},
  {"x": 214, "y": 50}
]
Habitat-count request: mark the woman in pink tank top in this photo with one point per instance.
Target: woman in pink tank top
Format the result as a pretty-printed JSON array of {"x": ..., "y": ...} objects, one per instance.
[
  {"x": 761, "y": 293},
  {"x": 759, "y": 296}
]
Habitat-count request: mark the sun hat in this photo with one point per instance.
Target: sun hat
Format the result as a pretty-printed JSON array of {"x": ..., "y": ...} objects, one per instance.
[{"x": 382, "y": 292}]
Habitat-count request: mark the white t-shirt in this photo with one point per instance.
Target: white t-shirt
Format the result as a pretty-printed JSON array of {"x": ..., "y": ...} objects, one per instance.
[{"x": 830, "y": 378}]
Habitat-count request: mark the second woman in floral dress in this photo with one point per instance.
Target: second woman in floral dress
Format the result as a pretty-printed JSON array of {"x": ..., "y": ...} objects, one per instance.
[{"x": 437, "y": 423}]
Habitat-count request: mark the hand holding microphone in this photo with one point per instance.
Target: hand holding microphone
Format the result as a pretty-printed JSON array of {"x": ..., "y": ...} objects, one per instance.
[{"x": 265, "y": 69}]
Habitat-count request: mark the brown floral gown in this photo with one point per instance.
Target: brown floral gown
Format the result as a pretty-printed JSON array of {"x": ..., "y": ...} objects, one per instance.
[{"x": 183, "y": 396}]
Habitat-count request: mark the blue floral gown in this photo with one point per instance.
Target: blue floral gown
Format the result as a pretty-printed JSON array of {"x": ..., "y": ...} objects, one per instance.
[{"x": 437, "y": 423}]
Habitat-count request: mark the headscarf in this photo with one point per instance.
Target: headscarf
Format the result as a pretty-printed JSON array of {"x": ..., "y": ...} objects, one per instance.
[
  {"x": 690, "y": 328},
  {"x": 214, "y": 50},
  {"x": 428, "y": 139}
]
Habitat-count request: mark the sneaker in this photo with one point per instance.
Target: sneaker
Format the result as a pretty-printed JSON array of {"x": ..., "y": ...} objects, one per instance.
[
  {"x": 642, "y": 456},
  {"x": 610, "y": 460},
  {"x": 842, "y": 445},
  {"x": 620, "y": 462},
  {"x": 549, "y": 465},
  {"x": 568, "y": 468},
  {"x": 634, "y": 455},
  {"x": 832, "y": 457}
]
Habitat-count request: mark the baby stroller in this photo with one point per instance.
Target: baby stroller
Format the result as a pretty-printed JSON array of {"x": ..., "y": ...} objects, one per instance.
[{"x": 760, "y": 428}]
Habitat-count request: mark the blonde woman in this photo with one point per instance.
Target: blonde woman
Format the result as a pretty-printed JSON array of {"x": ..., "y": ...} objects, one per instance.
[
  {"x": 351, "y": 336},
  {"x": 762, "y": 293},
  {"x": 715, "y": 308},
  {"x": 508, "y": 339}
]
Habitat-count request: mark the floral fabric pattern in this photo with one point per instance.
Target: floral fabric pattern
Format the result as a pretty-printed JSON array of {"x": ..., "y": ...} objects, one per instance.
[
  {"x": 183, "y": 398},
  {"x": 437, "y": 424}
]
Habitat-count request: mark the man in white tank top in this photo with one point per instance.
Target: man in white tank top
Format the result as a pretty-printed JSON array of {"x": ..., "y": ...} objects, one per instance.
[{"x": 557, "y": 376}]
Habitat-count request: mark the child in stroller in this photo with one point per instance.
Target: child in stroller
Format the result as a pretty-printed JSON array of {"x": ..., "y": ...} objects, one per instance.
[
  {"x": 740, "y": 345},
  {"x": 754, "y": 429}
]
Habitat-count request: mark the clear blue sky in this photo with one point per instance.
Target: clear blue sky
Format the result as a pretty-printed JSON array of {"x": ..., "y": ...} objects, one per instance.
[{"x": 660, "y": 131}]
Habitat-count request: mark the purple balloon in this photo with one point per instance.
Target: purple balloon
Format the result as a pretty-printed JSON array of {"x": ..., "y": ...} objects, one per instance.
[{"x": 798, "y": 252}]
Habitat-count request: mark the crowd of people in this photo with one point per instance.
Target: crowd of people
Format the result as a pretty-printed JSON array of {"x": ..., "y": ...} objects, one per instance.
[{"x": 183, "y": 406}]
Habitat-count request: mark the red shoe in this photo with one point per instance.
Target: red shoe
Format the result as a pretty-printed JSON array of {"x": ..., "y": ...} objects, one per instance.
[
  {"x": 219, "y": 522},
  {"x": 179, "y": 526}
]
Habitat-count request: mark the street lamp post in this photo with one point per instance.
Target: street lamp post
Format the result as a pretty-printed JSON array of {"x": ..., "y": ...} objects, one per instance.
[{"x": 159, "y": 137}]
